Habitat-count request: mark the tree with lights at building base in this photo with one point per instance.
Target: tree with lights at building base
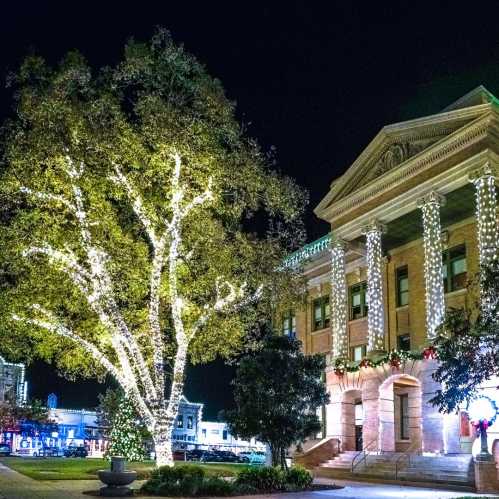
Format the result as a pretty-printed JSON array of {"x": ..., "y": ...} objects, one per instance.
[
  {"x": 126, "y": 437},
  {"x": 130, "y": 243}
]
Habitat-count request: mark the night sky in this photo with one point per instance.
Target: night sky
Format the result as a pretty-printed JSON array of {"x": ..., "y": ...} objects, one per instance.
[{"x": 315, "y": 80}]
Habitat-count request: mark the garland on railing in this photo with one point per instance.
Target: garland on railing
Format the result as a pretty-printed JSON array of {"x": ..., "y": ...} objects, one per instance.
[{"x": 394, "y": 359}]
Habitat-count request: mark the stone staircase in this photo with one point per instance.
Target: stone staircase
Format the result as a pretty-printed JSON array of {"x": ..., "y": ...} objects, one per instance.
[{"x": 454, "y": 471}]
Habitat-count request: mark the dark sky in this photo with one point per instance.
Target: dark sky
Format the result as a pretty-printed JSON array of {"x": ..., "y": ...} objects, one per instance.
[{"x": 315, "y": 79}]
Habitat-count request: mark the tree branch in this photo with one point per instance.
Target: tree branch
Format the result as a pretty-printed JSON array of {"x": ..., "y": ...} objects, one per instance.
[
  {"x": 46, "y": 196},
  {"x": 54, "y": 326}
]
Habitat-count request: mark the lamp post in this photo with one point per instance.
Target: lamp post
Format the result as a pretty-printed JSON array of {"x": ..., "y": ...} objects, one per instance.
[{"x": 483, "y": 412}]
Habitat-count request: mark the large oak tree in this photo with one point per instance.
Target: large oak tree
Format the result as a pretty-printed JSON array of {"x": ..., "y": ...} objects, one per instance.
[{"x": 139, "y": 224}]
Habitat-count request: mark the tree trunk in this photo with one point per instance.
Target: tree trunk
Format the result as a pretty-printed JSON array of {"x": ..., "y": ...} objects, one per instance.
[
  {"x": 165, "y": 420},
  {"x": 162, "y": 438}
]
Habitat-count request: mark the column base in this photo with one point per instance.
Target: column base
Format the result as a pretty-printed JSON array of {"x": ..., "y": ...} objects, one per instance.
[
  {"x": 484, "y": 457},
  {"x": 486, "y": 480}
]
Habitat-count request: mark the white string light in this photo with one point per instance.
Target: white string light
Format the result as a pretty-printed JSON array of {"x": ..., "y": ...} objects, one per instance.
[
  {"x": 375, "y": 311},
  {"x": 144, "y": 384},
  {"x": 432, "y": 245},
  {"x": 338, "y": 299},
  {"x": 486, "y": 204},
  {"x": 486, "y": 216}
]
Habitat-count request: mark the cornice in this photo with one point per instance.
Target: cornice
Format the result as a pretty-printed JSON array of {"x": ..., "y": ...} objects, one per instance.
[
  {"x": 445, "y": 182},
  {"x": 449, "y": 145},
  {"x": 437, "y": 124}
]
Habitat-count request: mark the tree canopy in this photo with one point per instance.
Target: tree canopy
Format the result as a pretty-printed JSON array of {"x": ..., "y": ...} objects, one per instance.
[
  {"x": 277, "y": 391},
  {"x": 139, "y": 223}
]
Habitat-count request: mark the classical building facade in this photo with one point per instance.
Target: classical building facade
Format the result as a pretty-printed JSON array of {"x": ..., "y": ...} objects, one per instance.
[{"x": 411, "y": 221}]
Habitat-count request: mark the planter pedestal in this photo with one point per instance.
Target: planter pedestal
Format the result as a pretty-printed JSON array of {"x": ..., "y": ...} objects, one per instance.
[{"x": 117, "y": 479}]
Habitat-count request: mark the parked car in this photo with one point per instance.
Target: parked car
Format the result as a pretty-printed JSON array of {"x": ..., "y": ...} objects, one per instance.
[
  {"x": 195, "y": 454},
  {"x": 255, "y": 457},
  {"x": 48, "y": 452},
  {"x": 4, "y": 450},
  {"x": 74, "y": 451}
]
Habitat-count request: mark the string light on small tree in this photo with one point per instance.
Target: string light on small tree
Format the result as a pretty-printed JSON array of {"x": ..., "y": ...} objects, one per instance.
[
  {"x": 338, "y": 298},
  {"x": 375, "y": 311},
  {"x": 432, "y": 244}
]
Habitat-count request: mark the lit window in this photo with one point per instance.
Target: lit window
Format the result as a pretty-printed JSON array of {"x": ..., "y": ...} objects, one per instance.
[
  {"x": 180, "y": 422},
  {"x": 358, "y": 303},
  {"x": 289, "y": 324},
  {"x": 454, "y": 268},
  {"x": 358, "y": 353},
  {"x": 402, "y": 287},
  {"x": 321, "y": 313}
]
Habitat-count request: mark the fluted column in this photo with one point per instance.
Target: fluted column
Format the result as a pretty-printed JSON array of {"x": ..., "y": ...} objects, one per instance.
[
  {"x": 339, "y": 301},
  {"x": 486, "y": 215},
  {"x": 432, "y": 243},
  {"x": 375, "y": 299}
]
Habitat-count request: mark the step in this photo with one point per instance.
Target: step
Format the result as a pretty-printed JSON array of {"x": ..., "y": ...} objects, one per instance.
[{"x": 460, "y": 486}]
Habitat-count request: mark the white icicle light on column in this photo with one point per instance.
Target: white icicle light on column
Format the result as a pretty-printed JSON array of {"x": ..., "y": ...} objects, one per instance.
[
  {"x": 432, "y": 243},
  {"x": 486, "y": 215},
  {"x": 375, "y": 302},
  {"x": 338, "y": 298}
]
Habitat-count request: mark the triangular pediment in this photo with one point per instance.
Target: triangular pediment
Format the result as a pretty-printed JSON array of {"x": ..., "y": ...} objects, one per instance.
[{"x": 395, "y": 145}]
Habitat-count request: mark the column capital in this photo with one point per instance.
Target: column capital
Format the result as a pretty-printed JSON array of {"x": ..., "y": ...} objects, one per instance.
[
  {"x": 487, "y": 170},
  {"x": 338, "y": 243},
  {"x": 433, "y": 197},
  {"x": 374, "y": 226}
]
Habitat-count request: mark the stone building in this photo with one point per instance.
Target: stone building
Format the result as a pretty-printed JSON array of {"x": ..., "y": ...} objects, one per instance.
[
  {"x": 411, "y": 219},
  {"x": 13, "y": 386}
]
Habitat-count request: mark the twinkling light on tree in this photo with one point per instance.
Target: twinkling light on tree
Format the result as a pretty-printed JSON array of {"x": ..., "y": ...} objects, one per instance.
[
  {"x": 95, "y": 283},
  {"x": 375, "y": 311},
  {"x": 432, "y": 245},
  {"x": 125, "y": 246},
  {"x": 126, "y": 438},
  {"x": 339, "y": 301}
]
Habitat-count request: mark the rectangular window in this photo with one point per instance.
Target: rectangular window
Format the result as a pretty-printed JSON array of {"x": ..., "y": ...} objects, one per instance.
[
  {"x": 203, "y": 432},
  {"x": 454, "y": 268},
  {"x": 402, "y": 286},
  {"x": 190, "y": 422},
  {"x": 224, "y": 434},
  {"x": 289, "y": 324},
  {"x": 358, "y": 302},
  {"x": 358, "y": 353},
  {"x": 404, "y": 416},
  {"x": 321, "y": 313},
  {"x": 404, "y": 342},
  {"x": 180, "y": 422}
]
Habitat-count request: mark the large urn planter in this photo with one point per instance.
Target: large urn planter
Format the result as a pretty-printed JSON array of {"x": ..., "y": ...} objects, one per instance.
[{"x": 116, "y": 479}]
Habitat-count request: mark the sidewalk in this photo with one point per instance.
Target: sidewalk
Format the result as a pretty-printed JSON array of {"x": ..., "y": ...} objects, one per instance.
[{"x": 13, "y": 485}]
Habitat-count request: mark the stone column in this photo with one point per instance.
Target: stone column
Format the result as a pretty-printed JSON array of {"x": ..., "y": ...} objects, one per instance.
[
  {"x": 339, "y": 302},
  {"x": 375, "y": 298},
  {"x": 434, "y": 280},
  {"x": 486, "y": 215}
]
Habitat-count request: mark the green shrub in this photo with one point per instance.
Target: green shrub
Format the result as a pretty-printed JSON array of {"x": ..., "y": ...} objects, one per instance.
[
  {"x": 265, "y": 479},
  {"x": 298, "y": 478},
  {"x": 176, "y": 481},
  {"x": 215, "y": 486}
]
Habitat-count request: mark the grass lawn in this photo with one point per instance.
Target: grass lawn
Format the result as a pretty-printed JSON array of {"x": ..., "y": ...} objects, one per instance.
[{"x": 62, "y": 468}]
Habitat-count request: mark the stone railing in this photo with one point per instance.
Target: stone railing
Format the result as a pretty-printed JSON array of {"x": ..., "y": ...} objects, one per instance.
[
  {"x": 325, "y": 449},
  {"x": 308, "y": 251}
]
